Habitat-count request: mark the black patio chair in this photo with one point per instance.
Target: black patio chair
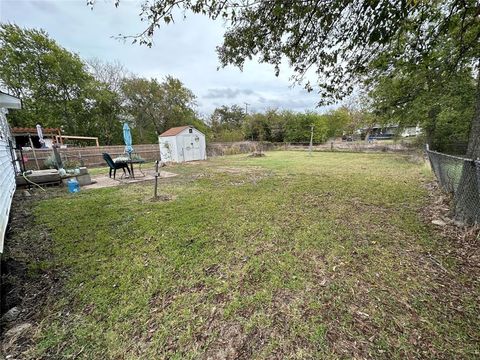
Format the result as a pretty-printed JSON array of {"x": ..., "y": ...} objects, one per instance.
[{"x": 114, "y": 166}]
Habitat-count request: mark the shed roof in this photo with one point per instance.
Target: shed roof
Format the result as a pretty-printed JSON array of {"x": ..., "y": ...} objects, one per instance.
[{"x": 175, "y": 130}]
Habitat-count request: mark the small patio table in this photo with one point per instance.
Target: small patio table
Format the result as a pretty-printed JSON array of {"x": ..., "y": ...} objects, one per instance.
[
  {"x": 130, "y": 163},
  {"x": 139, "y": 162}
]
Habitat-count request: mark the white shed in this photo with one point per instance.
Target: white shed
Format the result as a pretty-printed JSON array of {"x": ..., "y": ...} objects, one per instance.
[
  {"x": 183, "y": 143},
  {"x": 7, "y": 157}
]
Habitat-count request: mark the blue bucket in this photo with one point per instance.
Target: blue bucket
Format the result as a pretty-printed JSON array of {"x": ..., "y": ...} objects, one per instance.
[{"x": 73, "y": 186}]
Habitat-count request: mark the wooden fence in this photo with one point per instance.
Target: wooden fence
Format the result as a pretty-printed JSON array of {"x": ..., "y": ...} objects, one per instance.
[{"x": 91, "y": 156}]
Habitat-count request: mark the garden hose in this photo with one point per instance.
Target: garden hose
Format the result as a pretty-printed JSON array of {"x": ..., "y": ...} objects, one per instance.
[{"x": 31, "y": 182}]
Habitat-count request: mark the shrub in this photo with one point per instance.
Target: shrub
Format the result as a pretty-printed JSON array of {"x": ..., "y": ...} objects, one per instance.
[{"x": 51, "y": 163}]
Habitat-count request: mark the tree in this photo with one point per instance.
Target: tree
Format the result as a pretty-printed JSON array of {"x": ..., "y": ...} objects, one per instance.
[
  {"x": 52, "y": 82},
  {"x": 277, "y": 122},
  {"x": 55, "y": 87},
  {"x": 226, "y": 123},
  {"x": 108, "y": 112},
  {"x": 340, "y": 121},
  {"x": 298, "y": 128},
  {"x": 112, "y": 74},
  {"x": 154, "y": 107},
  {"x": 338, "y": 40},
  {"x": 257, "y": 128},
  {"x": 105, "y": 114},
  {"x": 228, "y": 117},
  {"x": 442, "y": 108}
]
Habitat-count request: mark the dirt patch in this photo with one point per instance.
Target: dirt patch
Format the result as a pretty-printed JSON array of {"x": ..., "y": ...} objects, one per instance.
[
  {"x": 230, "y": 343},
  {"x": 243, "y": 175},
  {"x": 238, "y": 170},
  {"x": 26, "y": 286},
  {"x": 464, "y": 238},
  {"x": 257, "y": 154},
  {"x": 163, "y": 197}
]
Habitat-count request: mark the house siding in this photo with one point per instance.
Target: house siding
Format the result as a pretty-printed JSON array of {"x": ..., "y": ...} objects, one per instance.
[{"x": 7, "y": 175}]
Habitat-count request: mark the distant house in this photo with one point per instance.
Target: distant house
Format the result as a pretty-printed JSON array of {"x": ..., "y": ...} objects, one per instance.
[
  {"x": 389, "y": 131},
  {"x": 181, "y": 144},
  {"x": 7, "y": 161},
  {"x": 411, "y": 131}
]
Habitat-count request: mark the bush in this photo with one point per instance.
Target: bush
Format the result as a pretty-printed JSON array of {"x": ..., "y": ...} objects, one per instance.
[
  {"x": 51, "y": 163},
  {"x": 232, "y": 150}
]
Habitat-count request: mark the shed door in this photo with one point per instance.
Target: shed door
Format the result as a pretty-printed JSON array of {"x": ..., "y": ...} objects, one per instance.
[
  {"x": 188, "y": 151},
  {"x": 191, "y": 147},
  {"x": 197, "y": 152}
]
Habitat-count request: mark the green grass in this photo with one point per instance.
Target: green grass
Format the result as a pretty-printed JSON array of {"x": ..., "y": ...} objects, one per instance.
[
  {"x": 98, "y": 170},
  {"x": 287, "y": 256}
]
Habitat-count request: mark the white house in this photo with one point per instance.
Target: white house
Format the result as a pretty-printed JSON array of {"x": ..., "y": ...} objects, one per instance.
[
  {"x": 411, "y": 131},
  {"x": 183, "y": 143},
  {"x": 7, "y": 157}
]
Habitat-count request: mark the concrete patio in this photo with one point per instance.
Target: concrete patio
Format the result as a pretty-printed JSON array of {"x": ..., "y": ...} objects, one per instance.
[{"x": 103, "y": 181}]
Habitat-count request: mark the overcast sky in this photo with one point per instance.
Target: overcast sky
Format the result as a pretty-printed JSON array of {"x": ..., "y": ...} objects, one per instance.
[{"x": 185, "y": 50}]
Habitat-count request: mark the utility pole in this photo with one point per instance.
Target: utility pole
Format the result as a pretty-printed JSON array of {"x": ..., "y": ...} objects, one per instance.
[{"x": 311, "y": 140}]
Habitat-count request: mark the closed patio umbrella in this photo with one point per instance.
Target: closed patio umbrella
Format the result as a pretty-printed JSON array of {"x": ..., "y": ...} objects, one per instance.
[
  {"x": 127, "y": 138},
  {"x": 40, "y": 135}
]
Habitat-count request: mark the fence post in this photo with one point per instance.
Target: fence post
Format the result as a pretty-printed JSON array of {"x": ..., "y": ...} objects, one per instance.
[
  {"x": 58, "y": 158},
  {"x": 311, "y": 140},
  {"x": 33, "y": 150},
  {"x": 80, "y": 158},
  {"x": 156, "y": 179},
  {"x": 477, "y": 172}
]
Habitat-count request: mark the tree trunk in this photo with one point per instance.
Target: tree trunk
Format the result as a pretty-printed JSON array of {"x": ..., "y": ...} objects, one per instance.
[
  {"x": 430, "y": 129},
  {"x": 467, "y": 196},
  {"x": 473, "y": 150},
  {"x": 367, "y": 135}
]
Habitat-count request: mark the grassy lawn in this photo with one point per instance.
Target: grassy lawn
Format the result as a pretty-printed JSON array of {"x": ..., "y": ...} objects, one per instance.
[{"x": 286, "y": 256}]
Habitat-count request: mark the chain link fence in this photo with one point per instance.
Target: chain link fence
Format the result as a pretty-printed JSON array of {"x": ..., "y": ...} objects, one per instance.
[{"x": 461, "y": 177}]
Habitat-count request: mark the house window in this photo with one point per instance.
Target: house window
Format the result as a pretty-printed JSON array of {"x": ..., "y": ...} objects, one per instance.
[{"x": 190, "y": 131}]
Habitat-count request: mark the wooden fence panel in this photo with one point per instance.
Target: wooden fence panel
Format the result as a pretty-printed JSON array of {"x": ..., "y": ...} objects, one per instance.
[{"x": 89, "y": 155}]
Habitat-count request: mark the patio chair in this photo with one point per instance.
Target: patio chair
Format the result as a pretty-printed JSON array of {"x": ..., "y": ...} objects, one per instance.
[{"x": 114, "y": 166}]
